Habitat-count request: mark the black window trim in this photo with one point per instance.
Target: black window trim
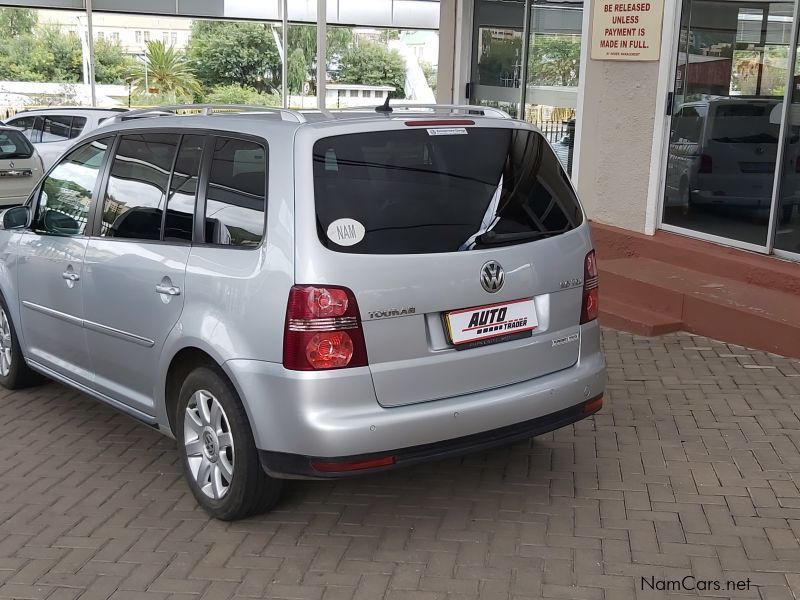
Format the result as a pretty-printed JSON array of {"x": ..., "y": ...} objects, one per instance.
[{"x": 94, "y": 225}]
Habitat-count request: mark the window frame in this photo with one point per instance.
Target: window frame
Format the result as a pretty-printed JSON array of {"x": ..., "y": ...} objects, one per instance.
[
  {"x": 94, "y": 224},
  {"x": 36, "y": 128},
  {"x": 36, "y": 194},
  {"x": 203, "y": 184},
  {"x": 46, "y": 118}
]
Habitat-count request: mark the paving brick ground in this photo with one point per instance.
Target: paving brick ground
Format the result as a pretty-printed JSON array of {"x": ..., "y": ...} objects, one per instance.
[{"x": 692, "y": 468}]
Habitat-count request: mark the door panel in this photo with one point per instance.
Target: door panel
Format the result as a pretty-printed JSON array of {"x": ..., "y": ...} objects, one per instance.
[
  {"x": 134, "y": 286},
  {"x": 51, "y": 265}
]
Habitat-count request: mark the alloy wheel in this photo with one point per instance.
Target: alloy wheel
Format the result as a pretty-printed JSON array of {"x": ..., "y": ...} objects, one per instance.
[
  {"x": 6, "y": 344},
  {"x": 208, "y": 443}
]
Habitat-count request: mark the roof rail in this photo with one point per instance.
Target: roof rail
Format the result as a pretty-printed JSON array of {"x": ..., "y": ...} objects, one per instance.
[
  {"x": 209, "y": 109},
  {"x": 470, "y": 109}
]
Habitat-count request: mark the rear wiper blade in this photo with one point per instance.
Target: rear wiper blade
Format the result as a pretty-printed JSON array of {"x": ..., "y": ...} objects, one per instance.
[{"x": 490, "y": 237}]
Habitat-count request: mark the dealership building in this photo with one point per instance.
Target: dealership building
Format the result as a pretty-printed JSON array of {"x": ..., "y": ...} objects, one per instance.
[{"x": 686, "y": 142}]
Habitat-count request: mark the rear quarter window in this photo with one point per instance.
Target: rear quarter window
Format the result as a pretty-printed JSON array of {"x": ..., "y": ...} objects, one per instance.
[{"x": 411, "y": 191}]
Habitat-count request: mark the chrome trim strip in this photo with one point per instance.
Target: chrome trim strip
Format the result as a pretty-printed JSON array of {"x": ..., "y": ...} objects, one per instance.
[
  {"x": 332, "y": 324},
  {"x": 91, "y": 325},
  {"x": 124, "y": 408},
  {"x": 118, "y": 333},
  {"x": 53, "y": 313}
]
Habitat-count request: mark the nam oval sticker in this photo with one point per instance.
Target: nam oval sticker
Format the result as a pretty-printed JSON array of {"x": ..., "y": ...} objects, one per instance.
[{"x": 346, "y": 232}]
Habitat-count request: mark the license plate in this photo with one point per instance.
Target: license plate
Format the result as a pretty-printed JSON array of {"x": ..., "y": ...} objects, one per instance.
[
  {"x": 493, "y": 323},
  {"x": 17, "y": 173}
]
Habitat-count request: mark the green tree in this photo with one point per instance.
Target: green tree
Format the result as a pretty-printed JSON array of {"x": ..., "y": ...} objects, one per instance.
[
  {"x": 554, "y": 60},
  {"x": 167, "y": 72},
  {"x": 373, "y": 64},
  {"x": 431, "y": 74},
  {"x": 230, "y": 52},
  {"x": 297, "y": 71},
  {"x": 17, "y": 21},
  {"x": 235, "y": 93},
  {"x": 304, "y": 37},
  {"x": 111, "y": 63}
]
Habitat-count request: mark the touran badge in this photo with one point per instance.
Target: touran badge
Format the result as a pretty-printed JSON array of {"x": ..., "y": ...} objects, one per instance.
[{"x": 492, "y": 276}]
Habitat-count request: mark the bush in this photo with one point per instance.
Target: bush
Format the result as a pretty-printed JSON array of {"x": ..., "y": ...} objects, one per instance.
[{"x": 235, "y": 93}]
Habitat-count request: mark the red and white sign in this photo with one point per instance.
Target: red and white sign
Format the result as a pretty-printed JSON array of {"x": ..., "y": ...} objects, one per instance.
[
  {"x": 483, "y": 322},
  {"x": 627, "y": 30}
]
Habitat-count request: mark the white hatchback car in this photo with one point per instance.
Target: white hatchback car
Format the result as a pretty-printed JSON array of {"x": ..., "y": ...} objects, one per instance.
[{"x": 52, "y": 130}]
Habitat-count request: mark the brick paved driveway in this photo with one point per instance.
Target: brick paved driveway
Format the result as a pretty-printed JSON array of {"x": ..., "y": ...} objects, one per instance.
[{"x": 692, "y": 467}]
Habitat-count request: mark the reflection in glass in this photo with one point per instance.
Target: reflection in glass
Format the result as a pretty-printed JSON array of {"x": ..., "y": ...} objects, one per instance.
[
  {"x": 67, "y": 192},
  {"x": 787, "y": 232},
  {"x": 236, "y": 194},
  {"x": 732, "y": 65},
  {"x": 137, "y": 187}
]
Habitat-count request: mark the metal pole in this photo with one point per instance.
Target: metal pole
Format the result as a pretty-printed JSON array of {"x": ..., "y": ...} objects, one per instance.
[
  {"x": 90, "y": 40},
  {"x": 523, "y": 87},
  {"x": 322, "y": 51},
  {"x": 785, "y": 129},
  {"x": 285, "y": 64}
]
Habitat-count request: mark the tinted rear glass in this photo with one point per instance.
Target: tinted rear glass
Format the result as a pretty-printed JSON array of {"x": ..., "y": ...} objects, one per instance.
[
  {"x": 14, "y": 144},
  {"x": 745, "y": 124},
  {"x": 417, "y": 192}
]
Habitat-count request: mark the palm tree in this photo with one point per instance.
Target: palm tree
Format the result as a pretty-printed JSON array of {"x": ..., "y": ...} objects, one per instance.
[{"x": 166, "y": 72}]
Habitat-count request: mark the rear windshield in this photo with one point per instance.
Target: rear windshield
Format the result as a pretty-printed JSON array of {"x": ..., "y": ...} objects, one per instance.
[
  {"x": 14, "y": 144},
  {"x": 745, "y": 123},
  {"x": 439, "y": 190}
]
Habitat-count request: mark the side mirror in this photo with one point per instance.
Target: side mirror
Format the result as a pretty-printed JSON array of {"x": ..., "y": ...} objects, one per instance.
[{"x": 16, "y": 217}]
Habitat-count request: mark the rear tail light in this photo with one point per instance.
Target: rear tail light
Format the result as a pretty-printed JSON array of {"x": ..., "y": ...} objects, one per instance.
[
  {"x": 593, "y": 405},
  {"x": 589, "y": 307},
  {"x": 323, "y": 329},
  {"x": 706, "y": 164}
]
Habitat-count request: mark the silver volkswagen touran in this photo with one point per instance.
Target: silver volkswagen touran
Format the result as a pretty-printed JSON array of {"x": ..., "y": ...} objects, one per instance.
[{"x": 310, "y": 295}]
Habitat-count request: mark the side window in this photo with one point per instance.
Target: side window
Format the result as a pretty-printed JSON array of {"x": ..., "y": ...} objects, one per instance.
[
  {"x": 56, "y": 129},
  {"x": 78, "y": 123},
  {"x": 137, "y": 186},
  {"x": 66, "y": 195},
  {"x": 236, "y": 199},
  {"x": 179, "y": 221},
  {"x": 27, "y": 125}
]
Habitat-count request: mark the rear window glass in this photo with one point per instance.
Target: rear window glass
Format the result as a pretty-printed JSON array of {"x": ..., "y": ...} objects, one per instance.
[
  {"x": 13, "y": 144},
  {"x": 407, "y": 192},
  {"x": 745, "y": 123}
]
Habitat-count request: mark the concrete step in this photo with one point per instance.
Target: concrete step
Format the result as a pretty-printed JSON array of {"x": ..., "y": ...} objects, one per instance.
[
  {"x": 626, "y": 317},
  {"x": 713, "y": 259},
  {"x": 719, "y": 307}
]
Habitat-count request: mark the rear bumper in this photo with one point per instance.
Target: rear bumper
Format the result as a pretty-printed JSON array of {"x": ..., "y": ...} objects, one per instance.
[
  {"x": 284, "y": 465},
  {"x": 336, "y": 414}
]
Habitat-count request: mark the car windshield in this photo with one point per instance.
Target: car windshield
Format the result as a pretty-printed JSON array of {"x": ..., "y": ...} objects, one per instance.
[
  {"x": 14, "y": 145},
  {"x": 439, "y": 190}
]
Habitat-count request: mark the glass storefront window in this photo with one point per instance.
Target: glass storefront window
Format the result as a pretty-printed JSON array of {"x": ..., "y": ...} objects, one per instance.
[{"x": 723, "y": 145}]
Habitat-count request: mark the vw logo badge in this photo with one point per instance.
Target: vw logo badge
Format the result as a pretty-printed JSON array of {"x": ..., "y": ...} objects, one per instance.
[{"x": 492, "y": 276}]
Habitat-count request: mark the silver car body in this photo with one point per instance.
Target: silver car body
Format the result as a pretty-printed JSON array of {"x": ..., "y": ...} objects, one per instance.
[
  {"x": 50, "y": 145},
  {"x": 106, "y": 332}
]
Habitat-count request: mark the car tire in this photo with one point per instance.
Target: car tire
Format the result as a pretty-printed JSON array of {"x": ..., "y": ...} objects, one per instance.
[
  {"x": 14, "y": 371},
  {"x": 218, "y": 452}
]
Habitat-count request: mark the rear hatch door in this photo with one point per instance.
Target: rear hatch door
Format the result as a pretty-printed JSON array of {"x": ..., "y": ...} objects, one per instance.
[
  {"x": 20, "y": 167},
  {"x": 464, "y": 246}
]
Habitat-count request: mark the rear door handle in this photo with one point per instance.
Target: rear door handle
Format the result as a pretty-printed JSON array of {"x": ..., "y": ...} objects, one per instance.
[
  {"x": 70, "y": 276},
  {"x": 169, "y": 290}
]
